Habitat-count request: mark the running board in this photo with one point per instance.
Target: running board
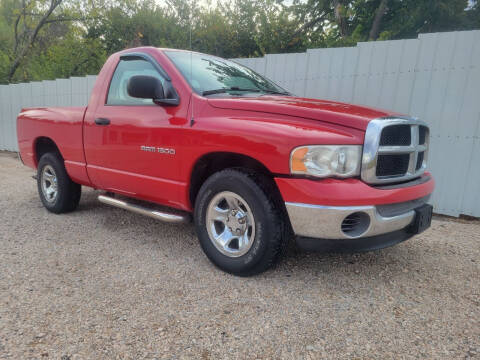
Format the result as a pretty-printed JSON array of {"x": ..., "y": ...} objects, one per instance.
[{"x": 156, "y": 214}]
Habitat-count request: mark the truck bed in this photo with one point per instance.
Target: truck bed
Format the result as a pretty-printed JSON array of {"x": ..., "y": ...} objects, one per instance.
[{"x": 61, "y": 124}]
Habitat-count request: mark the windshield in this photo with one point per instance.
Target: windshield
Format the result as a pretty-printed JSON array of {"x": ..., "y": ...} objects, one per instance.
[{"x": 209, "y": 75}]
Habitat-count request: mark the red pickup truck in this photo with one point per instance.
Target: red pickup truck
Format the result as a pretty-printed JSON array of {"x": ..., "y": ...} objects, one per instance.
[{"x": 175, "y": 134}]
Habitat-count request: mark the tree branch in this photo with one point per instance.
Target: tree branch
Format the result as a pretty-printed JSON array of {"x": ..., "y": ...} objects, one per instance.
[
  {"x": 15, "y": 29},
  {"x": 340, "y": 18},
  {"x": 32, "y": 38},
  {"x": 50, "y": 21},
  {"x": 309, "y": 24},
  {"x": 375, "y": 29}
]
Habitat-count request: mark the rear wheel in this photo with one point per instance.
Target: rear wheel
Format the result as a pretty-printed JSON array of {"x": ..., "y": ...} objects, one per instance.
[
  {"x": 239, "y": 222},
  {"x": 58, "y": 193}
]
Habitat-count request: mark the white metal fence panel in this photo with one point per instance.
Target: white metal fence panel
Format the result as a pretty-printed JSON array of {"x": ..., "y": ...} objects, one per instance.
[
  {"x": 435, "y": 77},
  {"x": 61, "y": 92}
]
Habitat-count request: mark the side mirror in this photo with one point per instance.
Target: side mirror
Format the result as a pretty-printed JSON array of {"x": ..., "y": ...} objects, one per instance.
[
  {"x": 149, "y": 87},
  {"x": 145, "y": 87}
]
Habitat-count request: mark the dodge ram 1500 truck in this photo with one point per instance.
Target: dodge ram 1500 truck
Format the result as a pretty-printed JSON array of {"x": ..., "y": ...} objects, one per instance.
[{"x": 175, "y": 134}]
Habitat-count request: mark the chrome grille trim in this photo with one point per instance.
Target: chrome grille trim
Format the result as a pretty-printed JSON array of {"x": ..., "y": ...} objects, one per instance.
[{"x": 372, "y": 149}]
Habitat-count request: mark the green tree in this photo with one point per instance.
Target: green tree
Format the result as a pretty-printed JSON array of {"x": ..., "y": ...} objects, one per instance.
[
  {"x": 33, "y": 34},
  {"x": 340, "y": 22},
  {"x": 41, "y": 39}
]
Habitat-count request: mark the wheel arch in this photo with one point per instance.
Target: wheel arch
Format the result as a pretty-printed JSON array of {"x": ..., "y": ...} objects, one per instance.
[
  {"x": 43, "y": 145},
  {"x": 210, "y": 163}
]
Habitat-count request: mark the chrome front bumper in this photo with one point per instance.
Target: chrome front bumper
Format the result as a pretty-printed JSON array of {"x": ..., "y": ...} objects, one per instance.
[{"x": 325, "y": 222}]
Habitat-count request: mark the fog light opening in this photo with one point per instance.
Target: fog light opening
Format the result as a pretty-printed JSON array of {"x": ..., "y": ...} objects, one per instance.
[{"x": 355, "y": 224}]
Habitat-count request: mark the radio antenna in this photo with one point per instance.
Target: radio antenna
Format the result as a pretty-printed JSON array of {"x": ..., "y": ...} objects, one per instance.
[{"x": 192, "y": 119}]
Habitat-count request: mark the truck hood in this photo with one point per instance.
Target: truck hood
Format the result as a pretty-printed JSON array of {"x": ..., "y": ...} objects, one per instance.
[{"x": 352, "y": 116}]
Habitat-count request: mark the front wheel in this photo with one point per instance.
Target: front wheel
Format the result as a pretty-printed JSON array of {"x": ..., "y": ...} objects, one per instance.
[{"x": 239, "y": 222}]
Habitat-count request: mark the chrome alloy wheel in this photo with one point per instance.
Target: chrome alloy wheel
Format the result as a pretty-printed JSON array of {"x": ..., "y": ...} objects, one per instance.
[
  {"x": 49, "y": 184},
  {"x": 230, "y": 224}
]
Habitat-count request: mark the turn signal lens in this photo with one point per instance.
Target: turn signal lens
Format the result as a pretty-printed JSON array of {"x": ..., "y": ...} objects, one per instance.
[
  {"x": 326, "y": 160},
  {"x": 296, "y": 162}
]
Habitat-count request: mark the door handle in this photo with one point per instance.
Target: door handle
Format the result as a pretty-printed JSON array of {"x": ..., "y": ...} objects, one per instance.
[{"x": 102, "y": 121}]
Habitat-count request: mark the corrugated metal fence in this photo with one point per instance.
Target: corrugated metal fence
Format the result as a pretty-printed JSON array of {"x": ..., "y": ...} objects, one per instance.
[
  {"x": 435, "y": 77},
  {"x": 61, "y": 92}
]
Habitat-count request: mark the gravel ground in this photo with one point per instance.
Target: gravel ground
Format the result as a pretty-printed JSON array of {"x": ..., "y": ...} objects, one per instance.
[{"x": 102, "y": 283}]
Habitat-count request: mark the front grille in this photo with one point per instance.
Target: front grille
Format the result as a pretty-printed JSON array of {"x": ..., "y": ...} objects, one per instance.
[
  {"x": 419, "y": 161},
  {"x": 422, "y": 134},
  {"x": 396, "y": 136},
  {"x": 395, "y": 150},
  {"x": 392, "y": 165}
]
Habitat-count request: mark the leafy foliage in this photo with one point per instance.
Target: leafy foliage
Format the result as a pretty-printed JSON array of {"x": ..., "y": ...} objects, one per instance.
[{"x": 46, "y": 39}]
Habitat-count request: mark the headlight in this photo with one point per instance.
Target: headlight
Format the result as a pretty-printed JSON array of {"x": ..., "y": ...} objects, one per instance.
[{"x": 326, "y": 160}]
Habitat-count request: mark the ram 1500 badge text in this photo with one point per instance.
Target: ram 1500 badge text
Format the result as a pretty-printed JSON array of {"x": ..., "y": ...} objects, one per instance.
[{"x": 207, "y": 138}]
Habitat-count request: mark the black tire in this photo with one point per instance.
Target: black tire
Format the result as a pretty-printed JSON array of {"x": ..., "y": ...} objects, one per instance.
[
  {"x": 272, "y": 228},
  {"x": 68, "y": 193}
]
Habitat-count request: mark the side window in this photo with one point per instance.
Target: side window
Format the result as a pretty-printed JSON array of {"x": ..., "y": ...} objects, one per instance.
[{"x": 126, "y": 68}]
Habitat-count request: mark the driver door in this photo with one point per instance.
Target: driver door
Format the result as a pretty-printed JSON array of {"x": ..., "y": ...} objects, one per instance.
[{"x": 131, "y": 143}]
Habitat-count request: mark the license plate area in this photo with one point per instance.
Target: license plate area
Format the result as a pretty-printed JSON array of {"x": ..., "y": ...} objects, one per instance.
[{"x": 423, "y": 219}]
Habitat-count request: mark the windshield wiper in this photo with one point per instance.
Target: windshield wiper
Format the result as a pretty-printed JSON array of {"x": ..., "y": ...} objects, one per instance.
[
  {"x": 225, "y": 90},
  {"x": 276, "y": 92}
]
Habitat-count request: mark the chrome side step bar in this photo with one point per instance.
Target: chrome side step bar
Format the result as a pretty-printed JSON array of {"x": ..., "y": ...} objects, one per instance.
[{"x": 156, "y": 214}]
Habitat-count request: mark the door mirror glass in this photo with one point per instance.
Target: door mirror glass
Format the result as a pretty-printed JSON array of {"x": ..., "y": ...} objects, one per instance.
[{"x": 145, "y": 87}]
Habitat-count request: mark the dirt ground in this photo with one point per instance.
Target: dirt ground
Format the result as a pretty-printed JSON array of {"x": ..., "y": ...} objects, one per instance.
[{"x": 103, "y": 283}]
